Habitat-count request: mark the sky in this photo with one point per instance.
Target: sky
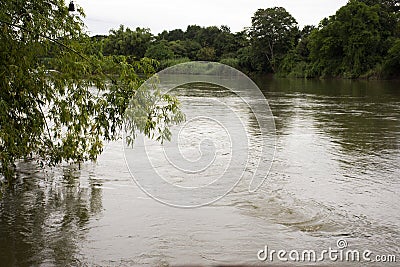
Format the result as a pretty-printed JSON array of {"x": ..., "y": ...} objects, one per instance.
[{"x": 103, "y": 15}]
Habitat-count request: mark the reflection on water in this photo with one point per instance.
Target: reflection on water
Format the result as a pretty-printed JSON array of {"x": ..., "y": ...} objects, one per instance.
[
  {"x": 336, "y": 174},
  {"x": 44, "y": 216}
]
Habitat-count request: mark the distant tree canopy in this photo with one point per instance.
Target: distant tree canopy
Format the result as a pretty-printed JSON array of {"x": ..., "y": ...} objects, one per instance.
[
  {"x": 160, "y": 51},
  {"x": 127, "y": 42},
  {"x": 196, "y": 43},
  {"x": 360, "y": 40}
]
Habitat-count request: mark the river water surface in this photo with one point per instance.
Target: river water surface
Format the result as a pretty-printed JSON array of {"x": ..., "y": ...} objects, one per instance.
[{"x": 335, "y": 176}]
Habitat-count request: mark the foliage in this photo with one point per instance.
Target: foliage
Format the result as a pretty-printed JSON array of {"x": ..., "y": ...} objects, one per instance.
[
  {"x": 203, "y": 43},
  {"x": 353, "y": 43},
  {"x": 233, "y": 62},
  {"x": 273, "y": 34},
  {"x": 350, "y": 44},
  {"x": 173, "y": 35},
  {"x": 127, "y": 42},
  {"x": 58, "y": 103},
  {"x": 172, "y": 62},
  {"x": 388, "y": 5},
  {"x": 206, "y": 54},
  {"x": 191, "y": 49},
  {"x": 63, "y": 94},
  {"x": 392, "y": 61},
  {"x": 160, "y": 51},
  {"x": 248, "y": 60},
  {"x": 179, "y": 48}
]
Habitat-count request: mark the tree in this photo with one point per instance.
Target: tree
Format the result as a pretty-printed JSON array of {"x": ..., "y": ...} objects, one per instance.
[
  {"x": 95, "y": 45},
  {"x": 388, "y": 5},
  {"x": 160, "y": 51},
  {"x": 352, "y": 41},
  {"x": 206, "y": 54},
  {"x": 178, "y": 48},
  {"x": 192, "y": 32},
  {"x": 207, "y": 36},
  {"x": 273, "y": 34},
  {"x": 191, "y": 48},
  {"x": 48, "y": 107},
  {"x": 392, "y": 61},
  {"x": 302, "y": 47},
  {"x": 173, "y": 35},
  {"x": 127, "y": 42},
  {"x": 225, "y": 43}
]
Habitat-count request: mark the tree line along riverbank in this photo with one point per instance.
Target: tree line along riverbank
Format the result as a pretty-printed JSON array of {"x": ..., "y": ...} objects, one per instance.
[{"x": 362, "y": 40}]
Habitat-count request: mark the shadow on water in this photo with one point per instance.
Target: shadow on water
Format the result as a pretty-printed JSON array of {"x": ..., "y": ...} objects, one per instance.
[
  {"x": 44, "y": 215},
  {"x": 352, "y": 88}
]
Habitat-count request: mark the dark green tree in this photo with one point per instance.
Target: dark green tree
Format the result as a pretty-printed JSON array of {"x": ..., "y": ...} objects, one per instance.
[
  {"x": 273, "y": 34},
  {"x": 206, "y": 54},
  {"x": 225, "y": 44},
  {"x": 392, "y": 61},
  {"x": 178, "y": 48},
  {"x": 191, "y": 48},
  {"x": 124, "y": 41},
  {"x": 192, "y": 31},
  {"x": 207, "y": 36},
  {"x": 173, "y": 35},
  {"x": 302, "y": 46},
  {"x": 352, "y": 41},
  {"x": 160, "y": 51},
  {"x": 388, "y": 5}
]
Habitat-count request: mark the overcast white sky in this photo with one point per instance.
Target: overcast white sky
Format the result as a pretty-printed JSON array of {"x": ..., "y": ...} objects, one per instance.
[{"x": 103, "y": 15}]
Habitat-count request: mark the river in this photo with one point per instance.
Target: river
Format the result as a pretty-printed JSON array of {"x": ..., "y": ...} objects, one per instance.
[{"x": 335, "y": 176}]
